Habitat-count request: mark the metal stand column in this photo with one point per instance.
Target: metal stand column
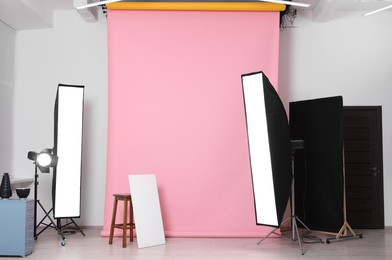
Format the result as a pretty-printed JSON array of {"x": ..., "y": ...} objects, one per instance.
[{"x": 294, "y": 218}]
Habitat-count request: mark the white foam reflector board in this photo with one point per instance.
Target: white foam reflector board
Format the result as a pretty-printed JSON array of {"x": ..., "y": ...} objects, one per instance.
[{"x": 146, "y": 210}]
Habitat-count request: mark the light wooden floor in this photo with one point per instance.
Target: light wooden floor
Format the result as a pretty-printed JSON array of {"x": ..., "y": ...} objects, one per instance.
[{"x": 375, "y": 244}]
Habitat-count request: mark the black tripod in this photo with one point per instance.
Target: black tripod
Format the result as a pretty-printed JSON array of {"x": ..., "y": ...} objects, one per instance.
[
  {"x": 52, "y": 224},
  {"x": 47, "y": 213},
  {"x": 295, "y": 145}
]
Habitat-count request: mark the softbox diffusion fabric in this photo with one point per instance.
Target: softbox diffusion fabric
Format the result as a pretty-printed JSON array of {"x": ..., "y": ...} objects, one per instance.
[
  {"x": 68, "y": 139},
  {"x": 319, "y": 167},
  {"x": 269, "y": 148}
]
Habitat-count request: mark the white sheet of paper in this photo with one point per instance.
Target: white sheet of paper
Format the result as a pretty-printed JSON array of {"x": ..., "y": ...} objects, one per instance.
[{"x": 146, "y": 210}]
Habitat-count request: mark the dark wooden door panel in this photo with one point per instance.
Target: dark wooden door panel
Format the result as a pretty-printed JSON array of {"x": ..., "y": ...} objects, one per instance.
[
  {"x": 360, "y": 219},
  {"x": 358, "y": 157},
  {"x": 363, "y": 166},
  {"x": 357, "y": 145},
  {"x": 359, "y": 169},
  {"x": 356, "y": 133},
  {"x": 358, "y": 192}
]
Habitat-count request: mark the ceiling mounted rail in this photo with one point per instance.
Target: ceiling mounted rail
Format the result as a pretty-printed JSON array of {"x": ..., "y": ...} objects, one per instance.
[{"x": 299, "y": 4}]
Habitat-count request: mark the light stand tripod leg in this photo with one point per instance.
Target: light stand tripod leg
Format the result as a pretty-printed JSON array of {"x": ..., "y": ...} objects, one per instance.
[
  {"x": 342, "y": 235},
  {"x": 295, "y": 227},
  {"x": 346, "y": 227},
  {"x": 270, "y": 233},
  {"x": 293, "y": 217},
  {"x": 53, "y": 224},
  {"x": 308, "y": 229},
  {"x": 273, "y": 232},
  {"x": 42, "y": 221},
  {"x": 61, "y": 227},
  {"x": 78, "y": 228}
]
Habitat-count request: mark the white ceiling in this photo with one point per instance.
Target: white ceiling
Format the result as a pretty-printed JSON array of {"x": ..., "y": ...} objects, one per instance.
[
  {"x": 35, "y": 14},
  {"x": 324, "y": 10},
  {"x": 30, "y": 14}
]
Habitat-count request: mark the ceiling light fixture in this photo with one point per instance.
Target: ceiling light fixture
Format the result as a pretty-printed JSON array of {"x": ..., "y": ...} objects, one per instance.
[
  {"x": 288, "y": 3},
  {"x": 378, "y": 10},
  {"x": 270, "y": 1},
  {"x": 96, "y": 4}
]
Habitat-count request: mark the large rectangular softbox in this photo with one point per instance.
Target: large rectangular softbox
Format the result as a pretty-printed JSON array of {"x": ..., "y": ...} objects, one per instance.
[
  {"x": 68, "y": 132},
  {"x": 269, "y": 148},
  {"x": 319, "y": 167}
]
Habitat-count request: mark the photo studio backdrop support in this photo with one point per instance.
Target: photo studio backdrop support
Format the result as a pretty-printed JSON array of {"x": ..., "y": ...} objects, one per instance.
[
  {"x": 269, "y": 148},
  {"x": 68, "y": 137}
]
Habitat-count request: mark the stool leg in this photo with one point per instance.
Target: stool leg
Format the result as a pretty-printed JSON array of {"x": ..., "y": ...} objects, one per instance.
[
  {"x": 113, "y": 221},
  {"x": 124, "y": 243},
  {"x": 130, "y": 220}
]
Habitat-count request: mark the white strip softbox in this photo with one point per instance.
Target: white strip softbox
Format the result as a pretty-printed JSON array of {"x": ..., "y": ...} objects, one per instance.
[
  {"x": 269, "y": 148},
  {"x": 68, "y": 147}
]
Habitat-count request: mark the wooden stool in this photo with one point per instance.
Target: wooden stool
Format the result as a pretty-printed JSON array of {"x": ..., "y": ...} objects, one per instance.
[{"x": 125, "y": 225}]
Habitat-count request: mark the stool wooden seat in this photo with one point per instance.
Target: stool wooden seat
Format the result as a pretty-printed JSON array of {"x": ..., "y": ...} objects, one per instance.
[{"x": 125, "y": 225}]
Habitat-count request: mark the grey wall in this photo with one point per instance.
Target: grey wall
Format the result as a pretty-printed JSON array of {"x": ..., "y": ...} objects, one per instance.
[
  {"x": 72, "y": 52},
  {"x": 349, "y": 56},
  {"x": 7, "y": 82}
]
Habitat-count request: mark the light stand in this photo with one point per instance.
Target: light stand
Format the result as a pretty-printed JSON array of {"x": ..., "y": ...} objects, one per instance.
[
  {"x": 346, "y": 228},
  {"x": 43, "y": 161},
  {"x": 295, "y": 145},
  {"x": 67, "y": 175}
]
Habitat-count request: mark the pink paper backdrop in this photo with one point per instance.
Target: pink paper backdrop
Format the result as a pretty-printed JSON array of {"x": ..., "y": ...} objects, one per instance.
[{"x": 176, "y": 110}]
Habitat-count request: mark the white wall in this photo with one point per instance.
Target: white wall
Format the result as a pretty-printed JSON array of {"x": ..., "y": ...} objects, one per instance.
[
  {"x": 349, "y": 56},
  {"x": 72, "y": 52},
  {"x": 7, "y": 61}
]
